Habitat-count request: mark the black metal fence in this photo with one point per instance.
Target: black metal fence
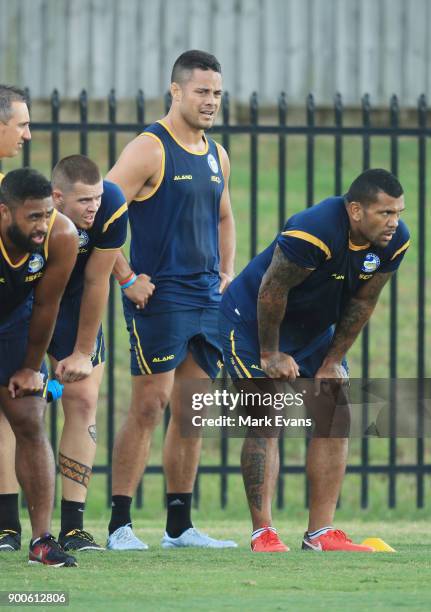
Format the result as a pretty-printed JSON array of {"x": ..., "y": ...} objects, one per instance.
[{"x": 281, "y": 130}]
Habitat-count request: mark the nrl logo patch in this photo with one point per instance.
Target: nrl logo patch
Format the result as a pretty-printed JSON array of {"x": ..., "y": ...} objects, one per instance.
[
  {"x": 36, "y": 263},
  {"x": 371, "y": 263},
  {"x": 212, "y": 163}
]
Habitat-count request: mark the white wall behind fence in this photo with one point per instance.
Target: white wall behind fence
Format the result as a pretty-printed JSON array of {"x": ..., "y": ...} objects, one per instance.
[{"x": 351, "y": 46}]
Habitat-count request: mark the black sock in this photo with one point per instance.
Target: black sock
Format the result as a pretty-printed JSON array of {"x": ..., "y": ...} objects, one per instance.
[
  {"x": 72, "y": 515},
  {"x": 120, "y": 513},
  {"x": 179, "y": 510},
  {"x": 9, "y": 517}
]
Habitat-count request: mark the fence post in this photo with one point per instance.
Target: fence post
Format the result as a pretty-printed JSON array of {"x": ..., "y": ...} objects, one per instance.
[
  {"x": 394, "y": 120},
  {"x": 140, "y": 108},
  {"x": 366, "y": 109},
  {"x": 338, "y": 113},
  {"x": 55, "y": 132},
  {"x": 310, "y": 150},
  {"x": 112, "y": 113},
  {"x": 282, "y": 115},
  {"x": 254, "y": 112},
  {"x": 420, "y": 448},
  {"x": 83, "y": 117},
  {"x": 26, "y": 150}
]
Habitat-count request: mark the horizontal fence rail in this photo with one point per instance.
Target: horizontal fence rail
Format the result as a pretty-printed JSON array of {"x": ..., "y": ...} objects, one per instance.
[{"x": 281, "y": 130}]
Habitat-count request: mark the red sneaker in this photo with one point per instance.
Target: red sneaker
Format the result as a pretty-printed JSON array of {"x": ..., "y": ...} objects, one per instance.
[
  {"x": 268, "y": 541},
  {"x": 333, "y": 540}
]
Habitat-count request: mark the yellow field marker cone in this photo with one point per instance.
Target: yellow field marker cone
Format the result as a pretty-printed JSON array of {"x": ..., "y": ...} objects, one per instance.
[{"x": 379, "y": 545}]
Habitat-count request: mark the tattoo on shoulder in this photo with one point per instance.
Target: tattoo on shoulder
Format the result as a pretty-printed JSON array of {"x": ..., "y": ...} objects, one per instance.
[
  {"x": 93, "y": 432},
  {"x": 72, "y": 469},
  {"x": 283, "y": 273}
]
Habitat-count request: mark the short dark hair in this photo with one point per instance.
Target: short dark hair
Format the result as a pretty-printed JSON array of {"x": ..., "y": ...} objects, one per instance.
[
  {"x": 189, "y": 60},
  {"x": 24, "y": 184},
  {"x": 75, "y": 169},
  {"x": 367, "y": 186},
  {"x": 9, "y": 94}
]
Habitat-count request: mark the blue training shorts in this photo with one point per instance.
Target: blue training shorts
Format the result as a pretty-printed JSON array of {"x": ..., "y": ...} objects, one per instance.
[
  {"x": 65, "y": 332},
  {"x": 160, "y": 342},
  {"x": 13, "y": 344},
  {"x": 242, "y": 353}
]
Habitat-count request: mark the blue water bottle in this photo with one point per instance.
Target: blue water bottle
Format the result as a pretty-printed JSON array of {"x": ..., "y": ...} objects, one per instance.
[{"x": 54, "y": 391}]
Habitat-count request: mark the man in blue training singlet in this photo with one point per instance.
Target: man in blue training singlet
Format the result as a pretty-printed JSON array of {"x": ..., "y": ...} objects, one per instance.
[
  {"x": 182, "y": 238},
  {"x": 326, "y": 268},
  {"x": 38, "y": 248}
]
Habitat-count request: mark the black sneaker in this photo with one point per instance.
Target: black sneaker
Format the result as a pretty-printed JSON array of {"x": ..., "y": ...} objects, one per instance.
[
  {"x": 10, "y": 540},
  {"x": 78, "y": 540},
  {"x": 47, "y": 551}
]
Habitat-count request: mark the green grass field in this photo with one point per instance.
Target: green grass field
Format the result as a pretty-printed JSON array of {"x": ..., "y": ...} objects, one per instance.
[{"x": 237, "y": 579}]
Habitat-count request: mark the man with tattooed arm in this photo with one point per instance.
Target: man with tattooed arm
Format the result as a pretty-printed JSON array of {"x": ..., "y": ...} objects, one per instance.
[{"x": 295, "y": 311}]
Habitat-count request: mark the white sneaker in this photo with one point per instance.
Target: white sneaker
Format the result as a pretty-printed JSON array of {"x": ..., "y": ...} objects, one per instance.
[
  {"x": 123, "y": 538},
  {"x": 194, "y": 538}
]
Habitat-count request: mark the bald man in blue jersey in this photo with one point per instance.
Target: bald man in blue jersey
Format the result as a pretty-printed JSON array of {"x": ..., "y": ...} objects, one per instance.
[
  {"x": 326, "y": 268},
  {"x": 182, "y": 237}
]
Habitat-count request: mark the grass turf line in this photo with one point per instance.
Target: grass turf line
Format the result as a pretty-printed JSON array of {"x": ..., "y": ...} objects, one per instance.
[{"x": 236, "y": 579}]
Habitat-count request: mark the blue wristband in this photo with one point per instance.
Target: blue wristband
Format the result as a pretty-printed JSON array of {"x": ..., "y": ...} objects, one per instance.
[{"x": 131, "y": 282}]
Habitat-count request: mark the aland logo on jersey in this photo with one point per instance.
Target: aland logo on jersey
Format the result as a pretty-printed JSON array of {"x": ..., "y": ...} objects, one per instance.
[{"x": 36, "y": 263}]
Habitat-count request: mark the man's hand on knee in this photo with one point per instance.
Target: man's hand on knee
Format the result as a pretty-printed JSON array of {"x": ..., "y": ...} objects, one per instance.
[
  {"x": 25, "y": 382},
  {"x": 73, "y": 368}
]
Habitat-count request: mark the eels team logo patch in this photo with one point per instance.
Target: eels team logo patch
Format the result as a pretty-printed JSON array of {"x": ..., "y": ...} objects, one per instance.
[
  {"x": 371, "y": 263},
  {"x": 212, "y": 163},
  {"x": 83, "y": 238},
  {"x": 36, "y": 263}
]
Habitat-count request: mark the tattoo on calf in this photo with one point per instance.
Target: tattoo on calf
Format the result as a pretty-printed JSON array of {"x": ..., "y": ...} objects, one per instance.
[
  {"x": 253, "y": 470},
  {"x": 72, "y": 469},
  {"x": 93, "y": 433}
]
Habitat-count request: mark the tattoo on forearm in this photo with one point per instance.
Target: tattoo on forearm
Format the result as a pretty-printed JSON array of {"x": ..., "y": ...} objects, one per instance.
[
  {"x": 281, "y": 276},
  {"x": 93, "y": 433},
  {"x": 253, "y": 459},
  {"x": 72, "y": 469},
  {"x": 356, "y": 314}
]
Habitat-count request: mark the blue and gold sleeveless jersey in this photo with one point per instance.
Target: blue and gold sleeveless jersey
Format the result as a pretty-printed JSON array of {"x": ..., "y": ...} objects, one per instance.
[
  {"x": 17, "y": 280},
  {"x": 174, "y": 229},
  {"x": 317, "y": 239},
  {"x": 109, "y": 231}
]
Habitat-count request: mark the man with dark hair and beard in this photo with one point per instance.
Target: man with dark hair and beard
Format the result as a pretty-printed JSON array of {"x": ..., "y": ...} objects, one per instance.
[{"x": 38, "y": 249}]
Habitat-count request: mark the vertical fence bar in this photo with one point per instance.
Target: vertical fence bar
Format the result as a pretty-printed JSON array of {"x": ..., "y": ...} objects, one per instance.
[
  {"x": 140, "y": 117},
  {"x": 420, "y": 445},
  {"x": 253, "y": 173},
  {"x": 26, "y": 150},
  {"x": 282, "y": 114},
  {"x": 55, "y": 132},
  {"x": 112, "y": 154},
  {"x": 225, "y": 105},
  {"x": 366, "y": 122},
  {"x": 310, "y": 109},
  {"x": 310, "y": 150},
  {"x": 224, "y": 439},
  {"x": 55, "y": 154},
  {"x": 140, "y": 109},
  {"x": 338, "y": 144},
  {"x": 394, "y": 121},
  {"x": 83, "y": 117}
]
